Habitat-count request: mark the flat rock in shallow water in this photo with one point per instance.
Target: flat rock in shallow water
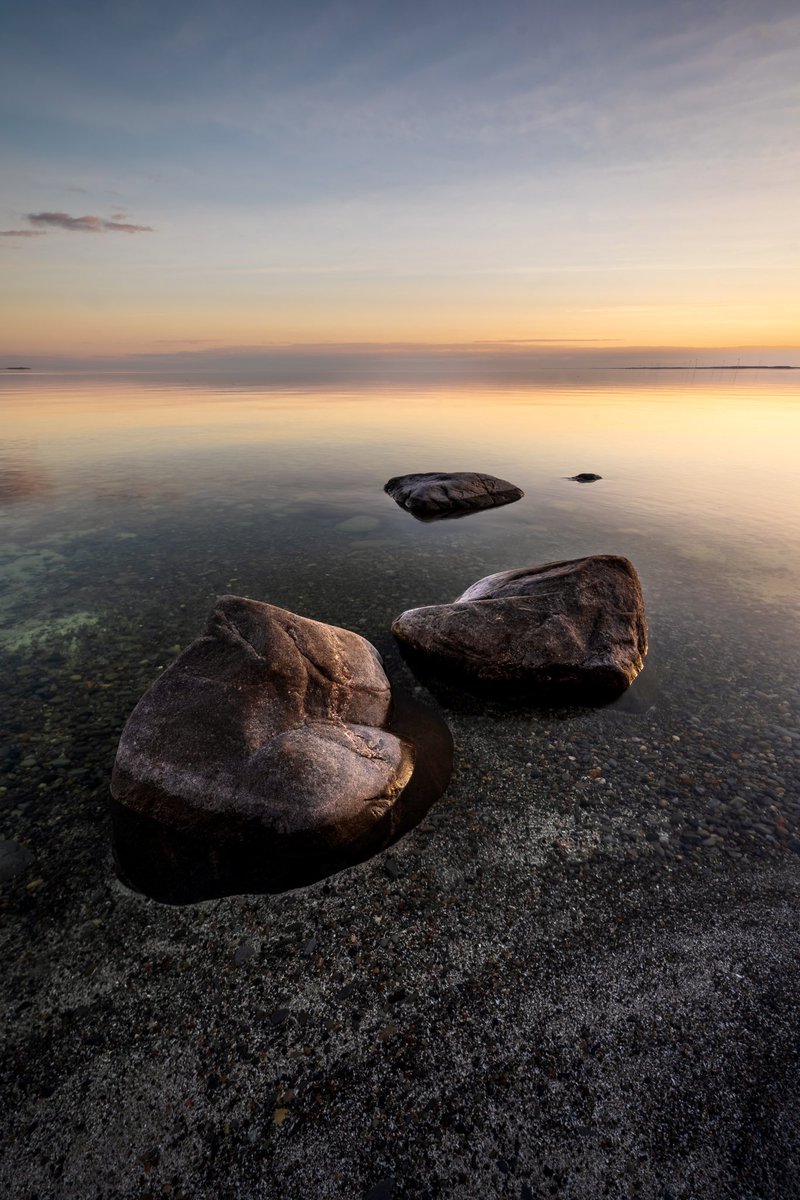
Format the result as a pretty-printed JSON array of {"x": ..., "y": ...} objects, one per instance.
[
  {"x": 584, "y": 477},
  {"x": 574, "y": 629},
  {"x": 269, "y": 754},
  {"x": 434, "y": 495}
]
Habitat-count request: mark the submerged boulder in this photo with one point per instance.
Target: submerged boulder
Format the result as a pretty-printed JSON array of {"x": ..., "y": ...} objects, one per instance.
[
  {"x": 435, "y": 495},
  {"x": 574, "y": 630},
  {"x": 584, "y": 477},
  {"x": 269, "y": 754}
]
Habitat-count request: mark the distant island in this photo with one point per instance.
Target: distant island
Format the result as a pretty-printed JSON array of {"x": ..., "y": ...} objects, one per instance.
[
  {"x": 18, "y": 368},
  {"x": 721, "y": 367}
]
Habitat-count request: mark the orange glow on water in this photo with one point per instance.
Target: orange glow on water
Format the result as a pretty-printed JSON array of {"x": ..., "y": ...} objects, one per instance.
[{"x": 716, "y": 435}]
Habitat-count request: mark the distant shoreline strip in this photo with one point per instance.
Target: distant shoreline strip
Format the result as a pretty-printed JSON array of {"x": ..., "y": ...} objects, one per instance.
[{"x": 721, "y": 367}]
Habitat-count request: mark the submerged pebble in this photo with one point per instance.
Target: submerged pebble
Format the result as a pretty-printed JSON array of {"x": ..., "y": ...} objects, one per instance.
[{"x": 14, "y": 860}]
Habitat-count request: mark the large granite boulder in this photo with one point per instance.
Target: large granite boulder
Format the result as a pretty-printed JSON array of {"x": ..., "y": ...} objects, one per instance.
[
  {"x": 572, "y": 630},
  {"x": 435, "y": 495},
  {"x": 269, "y": 754}
]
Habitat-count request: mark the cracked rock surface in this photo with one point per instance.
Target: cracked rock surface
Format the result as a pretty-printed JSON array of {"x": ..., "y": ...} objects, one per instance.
[
  {"x": 577, "y": 627},
  {"x": 434, "y": 495},
  {"x": 270, "y": 753}
]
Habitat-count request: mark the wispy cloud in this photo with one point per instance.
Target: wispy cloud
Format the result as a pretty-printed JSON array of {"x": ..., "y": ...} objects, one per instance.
[
  {"x": 125, "y": 227},
  {"x": 21, "y": 233},
  {"x": 88, "y": 224}
]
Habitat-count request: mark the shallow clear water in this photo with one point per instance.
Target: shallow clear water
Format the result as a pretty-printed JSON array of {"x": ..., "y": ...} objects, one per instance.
[{"x": 128, "y": 504}]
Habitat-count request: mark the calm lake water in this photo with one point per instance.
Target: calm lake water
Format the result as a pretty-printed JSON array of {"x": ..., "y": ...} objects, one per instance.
[
  {"x": 577, "y": 975},
  {"x": 128, "y": 504}
]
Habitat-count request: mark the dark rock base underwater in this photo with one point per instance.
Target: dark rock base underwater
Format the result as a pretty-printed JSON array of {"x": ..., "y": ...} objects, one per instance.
[{"x": 177, "y": 868}]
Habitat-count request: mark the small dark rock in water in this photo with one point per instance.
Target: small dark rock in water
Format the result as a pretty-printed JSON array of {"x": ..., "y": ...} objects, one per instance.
[
  {"x": 435, "y": 495},
  {"x": 14, "y": 860},
  {"x": 271, "y": 753},
  {"x": 574, "y": 629},
  {"x": 585, "y": 477}
]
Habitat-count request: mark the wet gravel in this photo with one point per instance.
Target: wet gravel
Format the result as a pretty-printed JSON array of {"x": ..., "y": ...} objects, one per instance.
[{"x": 578, "y": 977}]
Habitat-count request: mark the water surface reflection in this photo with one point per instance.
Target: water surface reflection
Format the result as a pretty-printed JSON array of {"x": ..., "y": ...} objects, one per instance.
[{"x": 135, "y": 503}]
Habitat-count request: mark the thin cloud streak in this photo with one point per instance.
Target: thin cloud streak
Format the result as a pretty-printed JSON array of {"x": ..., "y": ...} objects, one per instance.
[
  {"x": 88, "y": 224},
  {"x": 26, "y": 233}
]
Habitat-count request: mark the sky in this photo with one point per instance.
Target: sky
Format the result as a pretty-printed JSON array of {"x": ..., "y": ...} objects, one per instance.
[{"x": 189, "y": 178}]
